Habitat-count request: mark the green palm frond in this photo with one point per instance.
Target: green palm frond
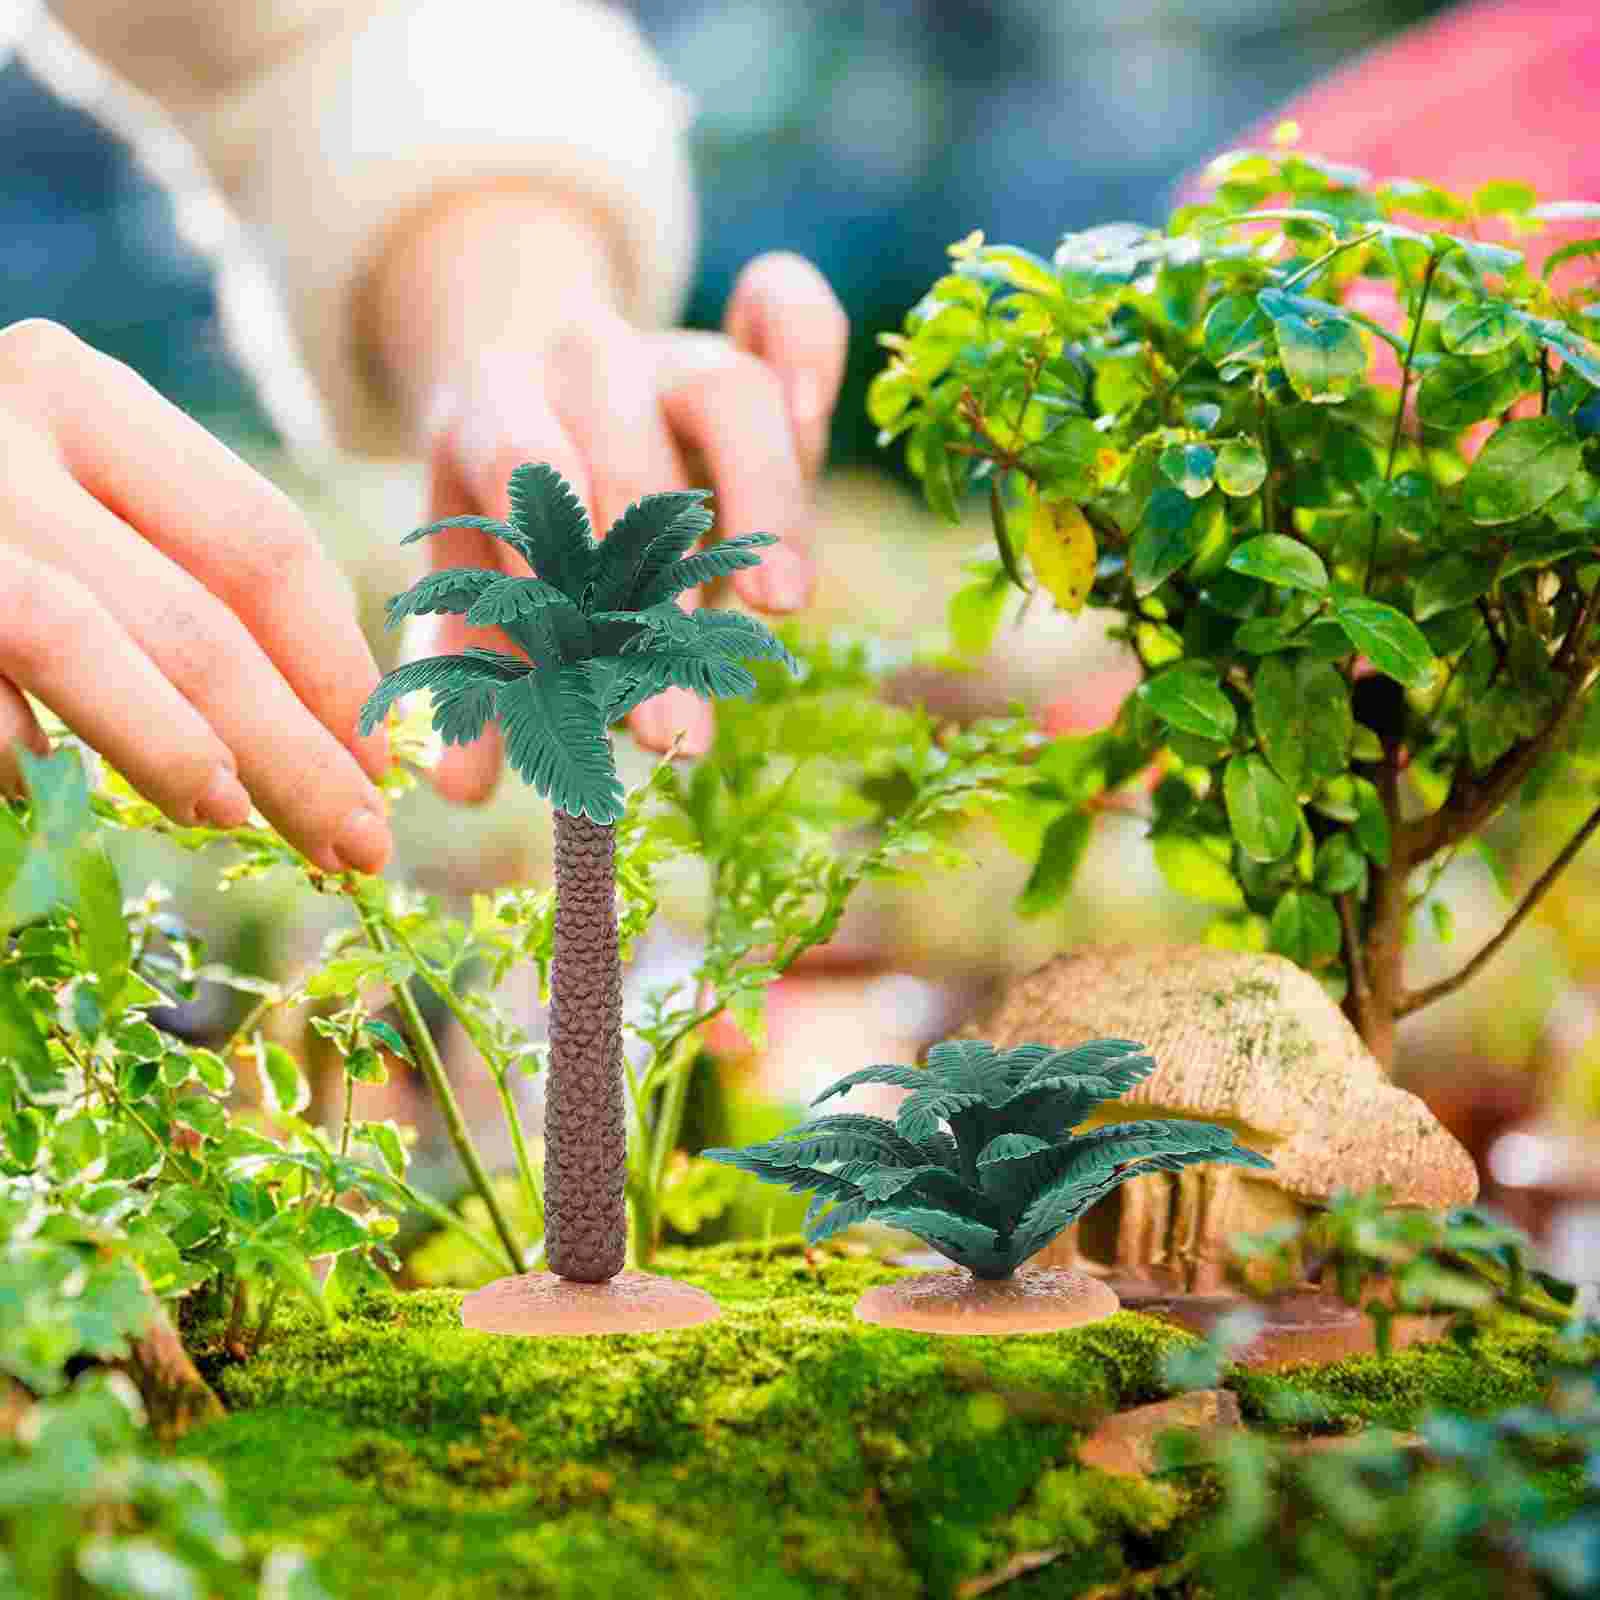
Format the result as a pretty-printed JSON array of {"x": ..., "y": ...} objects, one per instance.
[
  {"x": 666, "y": 623},
  {"x": 442, "y": 674},
  {"x": 900, "y": 1077},
  {"x": 955, "y": 1090},
  {"x": 461, "y": 711},
  {"x": 844, "y": 1136},
  {"x": 966, "y": 1241},
  {"x": 993, "y": 1187},
  {"x": 451, "y": 589},
  {"x": 556, "y": 740},
  {"x": 739, "y": 637},
  {"x": 505, "y": 599},
  {"x": 1100, "y": 1057},
  {"x": 844, "y": 1215},
  {"x": 1100, "y": 1161},
  {"x": 706, "y": 675},
  {"x": 505, "y": 532},
  {"x": 727, "y": 556},
  {"x": 645, "y": 540},
  {"x": 551, "y": 528}
]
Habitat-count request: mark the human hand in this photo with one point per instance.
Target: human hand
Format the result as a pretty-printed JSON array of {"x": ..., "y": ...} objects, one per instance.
[
  {"x": 497, "y": 319},
  {"x": 175, "y": 610}
]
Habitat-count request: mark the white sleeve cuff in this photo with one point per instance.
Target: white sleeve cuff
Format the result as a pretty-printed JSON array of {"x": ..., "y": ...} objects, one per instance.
[{"x": 319, "y": 153}]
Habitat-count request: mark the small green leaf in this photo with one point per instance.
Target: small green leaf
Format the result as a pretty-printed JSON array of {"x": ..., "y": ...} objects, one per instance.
[
  {"x": 1196, "y": 871},
  {"x": 1261, "y": 809},
  {"x": 1278, "y": 724},
  {"x": 283, "y": 1085},
  {"x": 1276, "y": 558},
  {"x": 1340, "y": 868},
  {"x": 1241, "y": 467},
  {"x": 1305, "y": 927},
  {"x": 1523, "y": 465},
  {"x": 329, "y": 1230},
  {"x": 365, "y": 1065},
  {"x": 200, "y": 1112},
  {"x": 1459, "y": 391},
  {"x": 1189, "y": 697},
  {"x": 1372, "y": 821},
  {"x": 1479, "y": 328},
  {"x": 1389, "y": 639},
  {"x": 1189, "y": 467},
  {"x": 1060, "y": 854},
  {"x": 1236, "y": 332},
  {"x": 23, "y": 1048},
  {"x": 975, "y": 611},
  {"x": 388, "y": 1037},
  {"x": 384, "y": 1137},
  {"x": 1456, "y": 580},
  {"x": 1502, "y": 196},
  {"x": 1171, "y": 532},
  {"x": 1324, "y": 356}
]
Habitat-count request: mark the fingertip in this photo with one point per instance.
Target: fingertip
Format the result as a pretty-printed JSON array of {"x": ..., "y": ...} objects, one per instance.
[{"x": 785, "y": 580}]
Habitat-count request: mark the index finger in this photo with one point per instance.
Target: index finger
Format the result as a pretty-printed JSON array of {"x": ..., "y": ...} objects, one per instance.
[{"x": 232, "y": 530}]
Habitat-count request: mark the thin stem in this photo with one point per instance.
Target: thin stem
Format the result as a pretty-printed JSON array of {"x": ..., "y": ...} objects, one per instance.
[
  {"x": 433, "y": 1070},
  {"x": 1400, "y": 408},
  {"x": 1311, "y": 267},
  {"x": 230, "y": 1338},
  {"x": 519, "y": 1145},
  {"x": 265, "y": 1320},
  {"x": 456, "y": 1223},
  {"x": 349, "y": 1104},
  {"x": 1419, "y": 998}
]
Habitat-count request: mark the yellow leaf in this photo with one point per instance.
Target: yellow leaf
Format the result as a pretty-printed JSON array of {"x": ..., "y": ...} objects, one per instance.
[{"x": 1062, "y": 549}]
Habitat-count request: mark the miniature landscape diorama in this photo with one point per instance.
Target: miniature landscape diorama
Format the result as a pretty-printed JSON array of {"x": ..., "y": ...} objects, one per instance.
[{"x": 1153, "y": 1283}]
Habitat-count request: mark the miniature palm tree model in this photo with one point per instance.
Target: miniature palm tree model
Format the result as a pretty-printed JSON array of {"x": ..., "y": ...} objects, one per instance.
[
  {"x": 1001, "y": 1178},
  {"x": 602, "y": 632}
]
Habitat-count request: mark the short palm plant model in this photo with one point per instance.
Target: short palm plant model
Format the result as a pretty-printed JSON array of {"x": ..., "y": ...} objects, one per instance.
[
  {"x": 1004, "y": 1175},
  {"x": 602, "y": 632}
]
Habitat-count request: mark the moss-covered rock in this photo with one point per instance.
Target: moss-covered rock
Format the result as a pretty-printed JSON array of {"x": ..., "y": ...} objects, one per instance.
[{"x": 785, "y": 1451}]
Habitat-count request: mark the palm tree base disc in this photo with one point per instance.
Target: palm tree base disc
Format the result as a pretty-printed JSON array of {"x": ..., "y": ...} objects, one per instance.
[
  {"x": 536, "y": 1304},
  {"x": 1031, "y": 1300}
]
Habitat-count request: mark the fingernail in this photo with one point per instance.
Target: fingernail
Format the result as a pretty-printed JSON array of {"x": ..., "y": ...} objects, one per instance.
[
  {"x": 225, "y": 803},
  {"x": 805, "y": 397},
  {"x": 362, "y": 842}
]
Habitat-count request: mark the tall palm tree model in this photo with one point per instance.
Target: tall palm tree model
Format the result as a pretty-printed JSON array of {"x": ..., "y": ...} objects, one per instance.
[{"x": 602, "y": 632}]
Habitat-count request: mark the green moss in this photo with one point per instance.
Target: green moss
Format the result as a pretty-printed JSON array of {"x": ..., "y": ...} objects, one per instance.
[
  {"x": 1510, "y": 1363},
  {"x": 786, "y": 1450}
]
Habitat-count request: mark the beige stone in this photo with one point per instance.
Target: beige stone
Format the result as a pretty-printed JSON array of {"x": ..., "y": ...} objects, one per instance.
[
  {"x": 1254, "y": 1043},
  {"x": 1125, "y": 1442}
]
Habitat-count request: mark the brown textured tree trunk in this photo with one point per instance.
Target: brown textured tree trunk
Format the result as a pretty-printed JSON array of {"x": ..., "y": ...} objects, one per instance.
[{"x": 585, "y": 1128}]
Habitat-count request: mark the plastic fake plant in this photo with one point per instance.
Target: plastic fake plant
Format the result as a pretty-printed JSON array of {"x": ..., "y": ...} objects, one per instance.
[
  {"x": 1009, "y": 1174},
  {"x": 601, "y": 632}
]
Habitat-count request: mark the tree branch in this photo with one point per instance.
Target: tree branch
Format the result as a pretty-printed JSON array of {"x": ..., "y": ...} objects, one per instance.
[
  {"x": 1355, "y": 956},
  {"x": 1473, "y": 801},
  {"x": 1418, "y": 998}
]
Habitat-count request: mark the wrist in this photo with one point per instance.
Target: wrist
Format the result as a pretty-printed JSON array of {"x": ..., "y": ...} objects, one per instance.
[{"x": 503, "y": 262}]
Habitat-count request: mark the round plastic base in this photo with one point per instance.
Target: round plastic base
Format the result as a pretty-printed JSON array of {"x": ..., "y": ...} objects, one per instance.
[
  {"x": 1031, "y": 1300},
  {"x": 537, "y": 1304}
]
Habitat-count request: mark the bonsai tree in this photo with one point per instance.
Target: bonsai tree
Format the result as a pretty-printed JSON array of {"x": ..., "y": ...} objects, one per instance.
[
  {"x": 997, "y": 1182},
  {"x": 601, "y": 632},
  {"x": 1332, "y": 461}
]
